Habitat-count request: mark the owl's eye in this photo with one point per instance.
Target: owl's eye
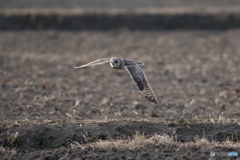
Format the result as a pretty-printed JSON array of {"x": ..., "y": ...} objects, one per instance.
[{"x": 115, "y": 61}]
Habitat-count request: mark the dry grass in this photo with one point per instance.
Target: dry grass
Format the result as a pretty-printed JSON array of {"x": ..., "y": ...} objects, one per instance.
[
  {"x": 197, "y": 87},
  {"x": 169, "y": 122},
  {"x": 97, "y": 141},
  {"x": 115, "y": 11},
  {"x": 159, "y": 141}
]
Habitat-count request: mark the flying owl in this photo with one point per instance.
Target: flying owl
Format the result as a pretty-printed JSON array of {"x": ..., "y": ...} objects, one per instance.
[{"x": 134, "y": 71}]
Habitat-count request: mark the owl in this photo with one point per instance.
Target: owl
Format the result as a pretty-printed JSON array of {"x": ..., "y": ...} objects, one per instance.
[{"x": 135, "y": 72}]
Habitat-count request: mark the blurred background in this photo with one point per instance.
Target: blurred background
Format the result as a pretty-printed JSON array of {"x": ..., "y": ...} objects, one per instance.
[
  {"x": 107, "y": 4},
  {"x": 190, "y": 49}
]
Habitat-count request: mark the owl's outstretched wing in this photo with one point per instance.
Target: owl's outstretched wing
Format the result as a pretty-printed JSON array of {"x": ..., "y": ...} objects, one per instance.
[
  {"x": 141, "y": 81},
  {"x": 94, "y": 63}
]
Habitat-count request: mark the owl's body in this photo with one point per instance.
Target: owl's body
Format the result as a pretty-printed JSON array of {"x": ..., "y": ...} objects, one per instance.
[
  {"x": 134, "y": 71},
  {"x": 124, "y": 63}
]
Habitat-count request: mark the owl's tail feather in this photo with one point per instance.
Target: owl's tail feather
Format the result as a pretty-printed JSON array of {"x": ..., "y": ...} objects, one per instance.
[{"x": 140, "y": 63}]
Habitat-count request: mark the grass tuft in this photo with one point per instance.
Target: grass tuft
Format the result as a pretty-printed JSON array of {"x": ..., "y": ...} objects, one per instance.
[
  {"x": 58, "y": 145},
  {"x": 171, "y": 124},
  {"x": 97, "y": 137},
  {"x": 41, "y": 142},
  {"x": 223, "y": 136},
  {"x": 12, "y": 141}
]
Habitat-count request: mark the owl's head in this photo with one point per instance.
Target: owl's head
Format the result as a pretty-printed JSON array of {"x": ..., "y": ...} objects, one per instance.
[{"x": 115, "y": 62}]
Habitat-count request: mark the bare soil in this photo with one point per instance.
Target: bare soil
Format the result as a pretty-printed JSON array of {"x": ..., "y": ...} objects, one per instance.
[{"x": 48, "y": 110}]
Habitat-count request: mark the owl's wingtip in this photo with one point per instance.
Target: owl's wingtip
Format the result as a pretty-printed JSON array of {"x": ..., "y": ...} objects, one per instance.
[
  {"x": 155, "y": 101},
  {"x": 77, "y": 67},
  {"x": 140, "y": 63}
]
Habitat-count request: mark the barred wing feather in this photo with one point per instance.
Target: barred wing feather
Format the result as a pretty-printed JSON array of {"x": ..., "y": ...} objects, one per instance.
[
  {"x": 94, "y": 63},
  {"x": 141, "y": 81}
]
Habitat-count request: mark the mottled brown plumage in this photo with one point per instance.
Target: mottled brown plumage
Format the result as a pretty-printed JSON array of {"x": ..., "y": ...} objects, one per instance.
[{"x": 134, "y": 71}]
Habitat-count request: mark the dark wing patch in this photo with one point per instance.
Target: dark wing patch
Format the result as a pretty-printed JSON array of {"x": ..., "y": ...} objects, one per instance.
[
  {"x": 140, "y": 85},
  {"x": 137, "y": 78},
  {"x": 141, "y": 81}
]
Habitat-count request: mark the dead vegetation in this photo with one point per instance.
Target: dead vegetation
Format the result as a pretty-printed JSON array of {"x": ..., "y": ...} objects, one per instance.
[
  {"x": 103, "y": 141},
  {"x": 108, "y": 134},
  {"x": 51, "y": 111}
]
